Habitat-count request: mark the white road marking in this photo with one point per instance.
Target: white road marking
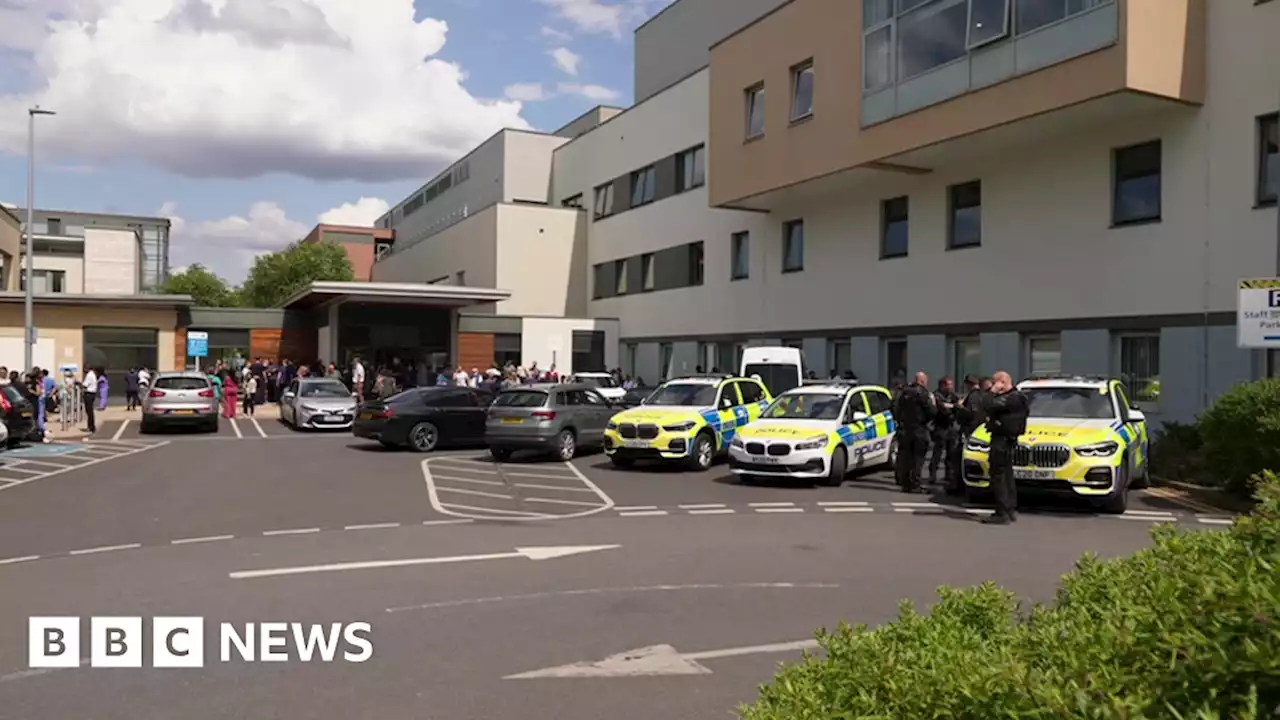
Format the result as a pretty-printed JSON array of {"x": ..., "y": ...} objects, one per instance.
[
  {"x": 778, "y": 510},
  {"x": 430, "y": 523},
  {"x": 208, "y": 538},
  {"x": 452, "y": 478},
  {"x": 476, "y": 493},
  {"x": 643, "y": 513},
  {"x": 454, "y": 467},
  {"x": 256, "y": 426},
  {"x": 915, "y": 505},
  {"x": 372, "y": 526},
  {"x": 845, "y": 503},
  {"x": 296, "y": 531},
  {"x": 462, "y": 511},
  {"x": 628, "y": 508},
  {"x": 1216, "y": 521},
  {"x": 105, "y": 548},
  {"x": 120, "y": 431},
  {"x": 532, "y": 486},
  {"x": 771, "y": 504},
  {"x": 1153, "y": 513},
  {"x": 713, "y": 511},
  {"x": 658, "y": 660},
  {"x": 234, "y": 426},
  {"x": 483, "y": 513},
  {"x": 550, "y": 501},
  {"x": 15, "y": 468},
  {"x": 543, "y": 476},
  {"x": 37, "y": 672},
  {"x": 708, "y": 506},
  {"x": 16, "y": 560},
  {"x": 532, "y": 553},
  {"x": 1147, "y": 518},
  {"x": 55, "y": 466},
  {"x": 851, "y": 509},
  {"x": 2, "y": 480},
  {"x": 92, "y": 461},
  {"x": 614, "y": 590},
  {"x": 922, "y": 510}
]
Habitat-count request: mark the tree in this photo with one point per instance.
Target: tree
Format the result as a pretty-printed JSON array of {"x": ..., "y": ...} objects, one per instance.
[
  {"x": 206, "y": 288},
  {"x": 275, "y": 277}
]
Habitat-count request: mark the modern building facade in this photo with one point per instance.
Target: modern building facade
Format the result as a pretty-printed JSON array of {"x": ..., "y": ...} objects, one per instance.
[
  {"x": 363, "y": 245},
  {"x": 68, "y": 228}
]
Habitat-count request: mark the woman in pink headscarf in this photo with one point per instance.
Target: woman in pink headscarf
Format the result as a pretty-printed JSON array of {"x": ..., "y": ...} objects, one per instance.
[{"x": 230, "y": 394}]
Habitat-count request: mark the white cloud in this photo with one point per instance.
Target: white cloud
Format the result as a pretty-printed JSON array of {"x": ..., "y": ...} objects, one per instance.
[
  {"x": 325, "y": 89},
  {"x": 554, "y": 34},
  {"x": 526, "y": 92},
  {"x": 229, "y": 245},
  {"x": 566, "y": 59},
  {"x": 599, "y": 16},
  {"x": 598, "y": 93}
]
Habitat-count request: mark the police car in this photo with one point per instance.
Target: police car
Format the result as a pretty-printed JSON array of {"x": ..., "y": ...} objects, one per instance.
[
  {"x": 819, "y": 432},
  {"x": 1085, "y": 437},
  {"x": 688, "y": 420}
]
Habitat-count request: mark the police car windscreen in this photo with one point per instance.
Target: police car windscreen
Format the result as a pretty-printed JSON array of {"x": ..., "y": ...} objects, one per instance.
[
  {"x": 806, "y": 406},
  {"x": 778, "y": 378},
  {"x": 1067, "y": 402},
  {"x": 684, "y": 394}
]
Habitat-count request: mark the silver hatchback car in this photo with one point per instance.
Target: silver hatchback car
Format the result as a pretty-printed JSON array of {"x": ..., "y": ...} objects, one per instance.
[
  {"x": 547, "y": 418},
  {"x": 180, "y": 399}
]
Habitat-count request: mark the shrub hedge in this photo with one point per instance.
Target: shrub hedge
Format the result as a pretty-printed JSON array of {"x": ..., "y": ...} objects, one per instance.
[
  {"x": 1241, "y": 434},
  {"x": 1186, "y": 629}
]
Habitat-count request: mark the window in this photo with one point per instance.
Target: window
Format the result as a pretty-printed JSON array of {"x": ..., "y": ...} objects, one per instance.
[
  {"x": 506, "y": 349},
  {"x": 667, "y": 358},
  {"x": 1136, "y": 184},
  {"x": 895, "y": 361},
  {"x": 878, "y": 402},
  {"x": 964, "y": 226},
  {"x": 755, "y": 112},
  {"x": 54, "y": 226},
  {"x": 463, "y": 173},
  {"x": 706, "y": 357},
  {"x": 894, "y": 215},
  {"x": 988, "y": 21},
  {"x": 1268, "y": 159},
  {"x": 453, "y": 398},
  {"x": 620, "y": 277},
  {"x": 932, "y": 36},
  {"x": 414, "y": 204},
  {"x": 697, "y": 261},
  {"x": 967, "y": 359},
  {"x": 44, "y": 281},
  {"x": 631, "y": 358},
  {"x": 802, "y": 91},
  {"x": 840, "y": 356},
  {"x": 1140, "y": 365},
  {"x": 691, "y": 169},
  {"x": 793, "y": 246},
  {"x": 604, "y": 201},
  {"x": 574, "y": 201},
  {"x": 1044, "y": 355},
  {"x": 1273, "y": 363},
  {"x": 1035, "y": 14},
  {"x": 750, "y": 392},
  {"x": 119, "y": 348},
  {"x": 643, "y": 184},
  {"x": 588, "y": 351},
  {"x": 461, "y": 278},
  {"x": 877, "y": 59},
  {"x": 646, "y": 271},
  {"x": 740, "y": 255}
]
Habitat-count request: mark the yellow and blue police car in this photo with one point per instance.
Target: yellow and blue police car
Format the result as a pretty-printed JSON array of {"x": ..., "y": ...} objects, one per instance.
[
  {"x": 689, "y": 420},
  {"x": 1085, "y": 437},
  {"x": 820, "y": 432}
]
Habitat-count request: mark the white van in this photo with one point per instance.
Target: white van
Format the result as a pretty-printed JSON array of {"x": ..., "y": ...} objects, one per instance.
[{"x": 779, "y": 368}]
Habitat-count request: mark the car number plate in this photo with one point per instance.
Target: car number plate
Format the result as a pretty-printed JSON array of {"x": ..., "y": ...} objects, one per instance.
[
  {"x": 1028, "y": 474},
  {"x": 366, "y": 416},
  {"x": 766, "y": 460},
  {"x": 184, "y": 412},
  {"x": 635, "y": 443},
  {"x": 26, "y": 413},
  {"x": 512, "y": 421}
]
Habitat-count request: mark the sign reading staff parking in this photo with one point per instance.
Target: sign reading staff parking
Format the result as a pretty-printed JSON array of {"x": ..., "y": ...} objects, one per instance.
[
  {"x": 197, "y": 343},
  {"x": 1258, "y": 307},
  {"x": 179, "y": 642}
]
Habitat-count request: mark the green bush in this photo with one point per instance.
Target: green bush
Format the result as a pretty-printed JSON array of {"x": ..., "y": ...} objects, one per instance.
[
  {"x": 1241, "y": 434},
  {"x": 1186, "y": 629},
  {"x": 1177, "y": 453}
]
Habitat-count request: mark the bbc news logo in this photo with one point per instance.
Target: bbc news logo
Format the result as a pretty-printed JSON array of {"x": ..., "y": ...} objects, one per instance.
[{"x": 179, "y": 642}]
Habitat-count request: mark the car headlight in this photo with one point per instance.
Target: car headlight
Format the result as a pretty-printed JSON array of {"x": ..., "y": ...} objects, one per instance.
[
  {"x": 612, "y": 425},
  {"x": 977, "y": 445},
  {"x": 1102, "y": 449},
  {"x": 307, "y": 408},
  {"x": 817, "y": 444},
  {"x": 738, "y": 442},
  {"x": 683, "y": 427}
]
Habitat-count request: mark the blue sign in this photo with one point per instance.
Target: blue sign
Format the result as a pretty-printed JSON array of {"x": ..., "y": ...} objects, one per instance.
[{"x": 197, "y": 344}]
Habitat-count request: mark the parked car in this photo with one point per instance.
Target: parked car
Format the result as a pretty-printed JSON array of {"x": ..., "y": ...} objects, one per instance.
[
  {"x": 604, "y": 383},
  {"x": 635, "y": 397},
  {"x": 19, "y": 415},
  {"x": 549, "y": 418},
  {"x": 318, "y": 403},
  {"x": 180, "y": 399},
  {"x": 423, "y": 419}
]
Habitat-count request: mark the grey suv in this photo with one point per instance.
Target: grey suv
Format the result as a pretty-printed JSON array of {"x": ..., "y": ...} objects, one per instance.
[{"x": 550, "y": 418}]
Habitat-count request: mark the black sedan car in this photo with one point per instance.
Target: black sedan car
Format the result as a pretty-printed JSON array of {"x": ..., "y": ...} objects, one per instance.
[
  {"x": 423, "y": 419},
  {"x": 18, "y": 413}
]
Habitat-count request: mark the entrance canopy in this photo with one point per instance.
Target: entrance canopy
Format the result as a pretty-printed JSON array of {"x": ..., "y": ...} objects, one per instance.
[{"x": 324, "y": 294}]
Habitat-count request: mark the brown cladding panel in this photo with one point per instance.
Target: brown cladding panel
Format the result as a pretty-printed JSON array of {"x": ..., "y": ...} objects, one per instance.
[
  {"x": 179, "y": 349},
  {"x": 265, "y": 343},
  {"x": 475, "y": 350},
  {"x": 298, "y": 345}
]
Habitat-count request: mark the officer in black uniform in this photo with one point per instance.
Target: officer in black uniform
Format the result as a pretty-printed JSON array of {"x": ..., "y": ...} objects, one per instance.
[
  {"x": 946, "y": 436},
  {"x": 1007, "y": 412},
  {"x": 913, "y": 409}
]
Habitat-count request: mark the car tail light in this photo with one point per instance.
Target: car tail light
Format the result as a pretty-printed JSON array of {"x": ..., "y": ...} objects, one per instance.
[
  {"x": 203, "y": 393},
  {"x": 545, "y": 414},
  {"x": 5, "y": 404},
  {"x": 158, "y": 393}
]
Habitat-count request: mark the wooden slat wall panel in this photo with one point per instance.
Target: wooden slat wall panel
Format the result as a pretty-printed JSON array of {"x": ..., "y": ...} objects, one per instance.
[
  {"x": 265, "y": 343},
  {"x": 475, "y": 350},
  {"x": 298, "y": 346},
  {"x": 179, "y": 349}
]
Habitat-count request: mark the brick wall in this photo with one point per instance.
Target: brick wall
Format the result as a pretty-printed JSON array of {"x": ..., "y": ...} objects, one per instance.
[
  {"x": 179, "y": 349},
  {"x": 475, "y": 350}
]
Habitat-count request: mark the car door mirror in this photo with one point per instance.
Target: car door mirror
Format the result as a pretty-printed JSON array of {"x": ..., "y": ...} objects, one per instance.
[
  {"x": 1136, "y": 415},
  {"x": 288, "y": 395},
  {"x": 859, "y": 416}
]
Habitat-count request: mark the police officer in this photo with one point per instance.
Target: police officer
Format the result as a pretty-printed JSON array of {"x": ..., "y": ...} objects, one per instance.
[
  {"x": 946, "y": 436},
  {"x": 1007, "y": 412},
  {"x": 913, "y": 409}
]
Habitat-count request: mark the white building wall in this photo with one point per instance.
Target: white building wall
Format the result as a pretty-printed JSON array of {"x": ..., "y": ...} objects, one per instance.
[
  {"x": 72, "y": 265},
  {"x": 469, "y": 246},
  {"x": 481, "y": 189},
  {"x": 526, "y": 166},
  {"x": 549, "y": 341},
  {"x": 112, "y": 261}
]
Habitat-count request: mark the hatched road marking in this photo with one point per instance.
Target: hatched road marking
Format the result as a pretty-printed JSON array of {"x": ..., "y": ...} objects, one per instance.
[{"x": 511, "y": 498}]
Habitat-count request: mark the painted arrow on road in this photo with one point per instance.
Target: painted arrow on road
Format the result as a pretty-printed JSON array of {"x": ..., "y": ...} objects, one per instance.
[
  {"x": 657, "y": 660},
  {"x": 532, "y": 553}
]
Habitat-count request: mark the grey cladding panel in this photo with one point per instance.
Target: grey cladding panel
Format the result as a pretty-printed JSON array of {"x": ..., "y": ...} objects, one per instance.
[
  {"x": 634, "y": 278},
  {"x": 671, "y": 268},
  {"x": 665, "y": 177},
  {"x": 603, "y": 287},
  {"x": 622, "y": 193}
]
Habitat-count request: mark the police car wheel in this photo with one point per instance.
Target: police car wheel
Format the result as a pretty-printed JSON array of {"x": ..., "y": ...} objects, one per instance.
[
  {"x": 703, "y": 452},
  {"x": 836, "y": 470},
  {"x": 893, "y": 453},
  {"x": 1118, "y": 502}
]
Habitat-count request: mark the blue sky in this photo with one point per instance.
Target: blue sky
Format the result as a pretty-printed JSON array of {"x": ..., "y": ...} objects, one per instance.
[{"x": 246, "y": 120}]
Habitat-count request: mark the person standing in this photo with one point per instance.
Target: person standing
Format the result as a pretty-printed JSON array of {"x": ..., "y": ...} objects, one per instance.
[
  {"x": 250, "y": 389},
  {"x": 357, "y": 378},
  {"x": 231, "y": 394},
  {"x": 90, "y": 383},
  {"x": 913, "y": 410},
  {"x": 103, "y": 388},
  {"x": 131, "y": 389},
  {"x": 1007, "y": 412},
  {"x": 946, "y": 436}
]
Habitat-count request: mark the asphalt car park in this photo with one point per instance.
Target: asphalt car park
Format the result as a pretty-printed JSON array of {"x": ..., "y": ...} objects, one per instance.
[{"x": 243, "y": 427}]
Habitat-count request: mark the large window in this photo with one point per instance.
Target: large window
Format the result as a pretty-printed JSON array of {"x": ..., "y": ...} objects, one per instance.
[
  {"x": 988, "y": 21},
  {"x": 588, "y": 351},
  {"x": 1035, "y": 14},
  {"x": 118, "y": 349},
  {"x": 44, "y": 281},
  {"x": 755, "y": 111},
  {"x": 506, "y": 349},
  {"x": 646, "y": 271},
  {"x": 604, "y": 201},
  {"x": 1044, "y": 355},
  {"x": 895, "y": 361},
  {"x": 620, "y": 277},
  {"x": 697, "y": 262},
  {"x": 1268, "y": 159},
  {"x": 574, "y": 201},
  {"x": 1136, "y": 184},
  {"x": 1139, "y": 355},
  {"x": 964, "y": 224},
  {"x": 968, "y": 358},
  {"x": 931, "y": 36},
  {"x": 740, "y": 255},
  {"x": 666, "y": 356},
  {"x": 630, "y": 367},
  {"x": 802, "y": 91},
  {"x": 894, "y": 221},
  {"x": 643, "y": 186},
  {"x": 793, "y": 246},
  {"x": 691, "y": 169},
  {"x": 840, "y": 356}
]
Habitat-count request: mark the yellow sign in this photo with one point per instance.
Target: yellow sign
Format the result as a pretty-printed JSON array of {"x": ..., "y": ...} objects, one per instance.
[{"x": 1261, "y": 284}]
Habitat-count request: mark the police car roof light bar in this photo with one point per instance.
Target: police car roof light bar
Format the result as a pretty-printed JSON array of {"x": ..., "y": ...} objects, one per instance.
[{"x": 1064, "y": 376}]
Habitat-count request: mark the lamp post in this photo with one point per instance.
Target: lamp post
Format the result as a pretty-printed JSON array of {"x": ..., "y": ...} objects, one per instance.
[{"x": 29, "y": 344}]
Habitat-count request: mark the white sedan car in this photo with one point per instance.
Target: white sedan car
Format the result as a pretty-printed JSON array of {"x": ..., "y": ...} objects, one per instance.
[
  {"x": 318, "y": 403},
  {"x": 604, "y": 383}
]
